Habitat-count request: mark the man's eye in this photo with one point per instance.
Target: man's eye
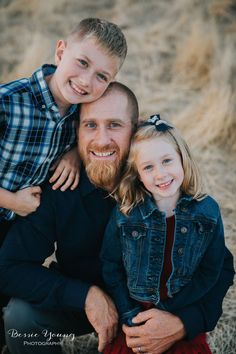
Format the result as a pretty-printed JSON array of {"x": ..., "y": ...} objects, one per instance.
[
  {"x": 102, "y": 77},
  {"x": 90, "y": 125},
  {"x": 114, "y": 125}
]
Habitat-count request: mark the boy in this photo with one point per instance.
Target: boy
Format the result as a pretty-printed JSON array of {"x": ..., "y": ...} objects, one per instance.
[{"x": 37, "y": 115}]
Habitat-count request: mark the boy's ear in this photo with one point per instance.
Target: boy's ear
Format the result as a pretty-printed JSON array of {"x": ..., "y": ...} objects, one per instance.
[{"x": 60, "y": 48}]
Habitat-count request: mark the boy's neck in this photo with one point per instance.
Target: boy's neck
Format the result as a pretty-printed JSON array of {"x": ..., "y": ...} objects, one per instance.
[{"x": 52, "y": 87}]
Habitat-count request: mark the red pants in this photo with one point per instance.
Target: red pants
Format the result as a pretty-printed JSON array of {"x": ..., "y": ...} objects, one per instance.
[{"x": 198, "y": 345}]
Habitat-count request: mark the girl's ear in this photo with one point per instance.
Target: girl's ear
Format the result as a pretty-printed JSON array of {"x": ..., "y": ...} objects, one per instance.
[{"x": 60, "y": 48}]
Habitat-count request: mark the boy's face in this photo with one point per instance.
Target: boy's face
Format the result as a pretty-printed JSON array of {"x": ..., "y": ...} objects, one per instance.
[
  {"x": 104, "y": 137},
  {"x": 84, "y": 70}
]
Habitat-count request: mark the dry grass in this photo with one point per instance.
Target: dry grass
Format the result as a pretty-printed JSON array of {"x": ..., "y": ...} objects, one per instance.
[{"x": 181, "y": 63}]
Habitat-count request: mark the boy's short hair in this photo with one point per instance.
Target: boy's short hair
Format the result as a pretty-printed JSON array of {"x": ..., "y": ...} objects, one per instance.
[{"x": 106, "y": 33}]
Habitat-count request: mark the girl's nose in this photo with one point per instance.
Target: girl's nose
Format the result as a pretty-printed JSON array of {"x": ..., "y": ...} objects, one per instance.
[{"x": 160, "y": 172}]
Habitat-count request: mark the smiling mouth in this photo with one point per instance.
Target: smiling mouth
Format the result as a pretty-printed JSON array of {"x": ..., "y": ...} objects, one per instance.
[
  {"x": 103, "y": 154},
  {"x": 77, "y": 89},
  {"x": 164, "y": 185}
]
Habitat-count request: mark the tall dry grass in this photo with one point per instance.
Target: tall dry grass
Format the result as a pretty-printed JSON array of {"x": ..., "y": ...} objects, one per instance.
[{"x": 181, "y": 63}]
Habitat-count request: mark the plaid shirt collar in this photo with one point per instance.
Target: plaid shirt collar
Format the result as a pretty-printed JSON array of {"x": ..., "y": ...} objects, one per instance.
[{"x": 40, "y": 87}]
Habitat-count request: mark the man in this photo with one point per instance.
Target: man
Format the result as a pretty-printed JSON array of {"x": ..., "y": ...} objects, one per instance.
[{"x": 68, "y": 300}]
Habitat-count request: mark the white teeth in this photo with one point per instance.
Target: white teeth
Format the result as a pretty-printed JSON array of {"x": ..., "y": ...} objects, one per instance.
[
  {"x": 164, "y": 184},
  {"x": 77, "y": 89},
  {"x": 103, "y": 154}
]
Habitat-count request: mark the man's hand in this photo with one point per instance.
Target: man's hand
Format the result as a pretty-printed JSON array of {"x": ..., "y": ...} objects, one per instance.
[
  {"x": 26, "y": 200},
  {"x": 102, "y": 315},
  {"x": 157, "y": 331},
  {"x": 67, "y": 171}
]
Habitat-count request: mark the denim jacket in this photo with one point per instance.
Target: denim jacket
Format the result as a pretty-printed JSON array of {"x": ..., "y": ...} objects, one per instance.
[{"x": 133, "y": 251}]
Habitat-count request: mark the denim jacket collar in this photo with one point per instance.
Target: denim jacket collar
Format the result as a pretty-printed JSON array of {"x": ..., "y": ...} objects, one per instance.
[{"x": 149, "y": 205}]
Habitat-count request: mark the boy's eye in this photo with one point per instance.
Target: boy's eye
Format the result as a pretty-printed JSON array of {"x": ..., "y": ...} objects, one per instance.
[
  {"x": 102, "y": 77},
  {"x": 83, "y": 62}
]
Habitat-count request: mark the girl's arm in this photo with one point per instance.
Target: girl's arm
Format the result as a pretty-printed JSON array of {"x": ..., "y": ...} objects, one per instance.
[
  {"x": 205, "y": 276},
  {"x": 114, "y": 274}
]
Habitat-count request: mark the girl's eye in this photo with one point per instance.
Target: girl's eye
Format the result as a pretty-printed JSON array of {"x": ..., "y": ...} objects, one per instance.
[
  {"x": 148, "y": 168},
  {"x": 166, "y": 161},
  {"x": 102, "y": 77}
]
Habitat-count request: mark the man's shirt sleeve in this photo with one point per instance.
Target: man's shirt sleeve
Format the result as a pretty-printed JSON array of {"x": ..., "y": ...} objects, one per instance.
[{"x": 29, "y": 242}]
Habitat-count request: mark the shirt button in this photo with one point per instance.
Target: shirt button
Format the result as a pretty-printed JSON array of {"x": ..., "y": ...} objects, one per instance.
[
  {"x": 183, "y": 230},
  {"x": 43, "y": 106},
  {"x": 180, "y": 251},
  {"x": 134, "y": 233},
  {"x": 184, "y": 209}
]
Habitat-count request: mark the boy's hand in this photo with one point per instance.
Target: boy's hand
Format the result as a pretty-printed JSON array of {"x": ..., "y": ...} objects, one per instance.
[
  {"x": 67, "y": 171},
  {"x": 26, "y": 200}
]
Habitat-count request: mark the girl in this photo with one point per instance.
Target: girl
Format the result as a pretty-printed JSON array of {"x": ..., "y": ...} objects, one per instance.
[{"x": 163, "y": 245}]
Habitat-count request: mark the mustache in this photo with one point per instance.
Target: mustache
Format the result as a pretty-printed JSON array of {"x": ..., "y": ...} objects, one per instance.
[{"x": 104, "y": 148}]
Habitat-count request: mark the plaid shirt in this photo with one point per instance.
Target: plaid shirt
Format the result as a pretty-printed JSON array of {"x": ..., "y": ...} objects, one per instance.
[{"x": 32, "y": 132}]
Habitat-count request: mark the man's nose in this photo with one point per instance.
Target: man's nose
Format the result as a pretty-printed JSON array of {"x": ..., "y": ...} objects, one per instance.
[{"x": 103, "y": 136}]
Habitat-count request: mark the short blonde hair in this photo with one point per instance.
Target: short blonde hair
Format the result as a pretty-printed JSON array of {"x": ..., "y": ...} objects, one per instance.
[
  {"x": 131, "y": 191},
  {"x": 106, "y": 33}
]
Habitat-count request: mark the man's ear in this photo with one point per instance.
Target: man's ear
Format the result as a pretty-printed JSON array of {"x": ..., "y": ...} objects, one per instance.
[{"x": 60, "y": 48}]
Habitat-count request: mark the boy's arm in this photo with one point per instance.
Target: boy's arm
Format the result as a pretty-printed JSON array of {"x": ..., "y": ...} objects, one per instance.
[
  {"x": 22, "y": 202},
  {"x": 66, "y": 171}
]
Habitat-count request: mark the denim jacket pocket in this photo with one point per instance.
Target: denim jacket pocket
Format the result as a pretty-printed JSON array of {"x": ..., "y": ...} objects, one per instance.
[
  {"x": 197, "y": 242},
  {"x": 132, "y": 239}
]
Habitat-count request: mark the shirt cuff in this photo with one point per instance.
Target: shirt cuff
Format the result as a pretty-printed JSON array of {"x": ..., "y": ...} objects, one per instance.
[
  {"x": 75, "y": 294},
  {"x": 193, "y": 321}
]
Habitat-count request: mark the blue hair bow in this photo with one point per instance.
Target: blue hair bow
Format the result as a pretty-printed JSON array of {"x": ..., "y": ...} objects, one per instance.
[{"x": 160, "y": 125}]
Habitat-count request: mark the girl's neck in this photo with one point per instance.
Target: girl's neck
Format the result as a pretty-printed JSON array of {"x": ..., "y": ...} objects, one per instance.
[{"x": 168, "y": 205}]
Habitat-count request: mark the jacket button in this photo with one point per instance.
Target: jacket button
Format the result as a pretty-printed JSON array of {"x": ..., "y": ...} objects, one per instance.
[
  {"x": 135, "y": 233},
  {"x": 180, "y": 251},
  {"x": 183, "y": 230},
  {"x": 184, "y": 209}
]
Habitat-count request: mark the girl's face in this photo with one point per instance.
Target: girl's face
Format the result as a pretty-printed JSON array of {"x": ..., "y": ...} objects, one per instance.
[{"x": 160, "y": 168}]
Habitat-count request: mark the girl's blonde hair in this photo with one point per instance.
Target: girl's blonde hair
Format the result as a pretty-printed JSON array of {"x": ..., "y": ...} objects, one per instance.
[{"x": 131, "y": 191}]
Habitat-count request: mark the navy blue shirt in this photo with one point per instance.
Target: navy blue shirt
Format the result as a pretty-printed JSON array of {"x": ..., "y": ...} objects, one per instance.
[{"x": 75, "y": 221}]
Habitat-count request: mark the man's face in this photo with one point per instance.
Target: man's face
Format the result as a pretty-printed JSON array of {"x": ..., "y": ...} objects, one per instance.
[{"x": 104, "y": 137}]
